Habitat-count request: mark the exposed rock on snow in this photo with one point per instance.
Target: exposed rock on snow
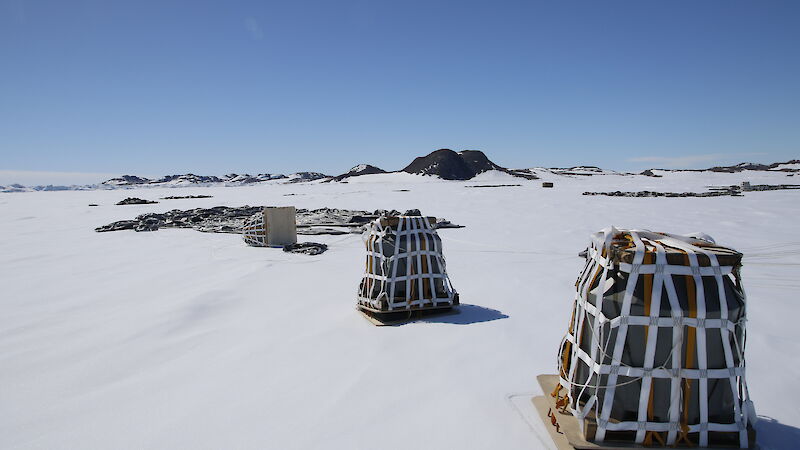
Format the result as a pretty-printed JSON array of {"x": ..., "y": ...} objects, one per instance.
[
  {"x": 478, "y": 162},
  {"x": 717, "y": 193},
  {"x": 464, "y": 165},
  {"x": 492, "y": 185},
  {"x": 527, "y": 174},
  {"x": 788, "y": 166},
  {"x": 300, "y": 177},
  {"x": 306, "y": 248},
  {"x": 118, "y": 225},
  {"x": 190, "y": 179},
  {"x": 126, "y": 180},
  {"x": 180, "y": 197},
  {"x": 135, "y": 201},
  {"x": 15, "y": 188},
  {"x": 361, "y": 169},
  {"x": 444, "y": 163},
  {"x": 747, "y": 187},
  {"x": 714, "y": 191},
  {"x": 649, "y": 173},
  {"x": 225, "y": 219}
]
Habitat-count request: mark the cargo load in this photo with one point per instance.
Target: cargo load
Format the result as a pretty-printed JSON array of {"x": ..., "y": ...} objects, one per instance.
[
  {"x": 654, "y": 352},
  {"x": 405, "y": 267}
]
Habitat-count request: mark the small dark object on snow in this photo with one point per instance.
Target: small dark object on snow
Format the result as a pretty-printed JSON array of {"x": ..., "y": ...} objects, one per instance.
[
  {"x": 442, "y": 223},
  {"x": 135, "y": 201},
  {"x": 93, "y": 204},
  {"x": 492, "y": 185},
  {"x": 547, "y": 184},
  {"x": 649, "y": 173},
  {"x": 306, "y": 248}
]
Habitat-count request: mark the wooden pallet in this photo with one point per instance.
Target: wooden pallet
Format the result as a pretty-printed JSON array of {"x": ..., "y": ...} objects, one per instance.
[
  {"x": 568, "y": 435},
  {"x": 401, "y": 317}
]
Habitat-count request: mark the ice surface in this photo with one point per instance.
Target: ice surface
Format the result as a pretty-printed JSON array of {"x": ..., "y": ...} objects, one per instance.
[{"x": 179, "y": 339}]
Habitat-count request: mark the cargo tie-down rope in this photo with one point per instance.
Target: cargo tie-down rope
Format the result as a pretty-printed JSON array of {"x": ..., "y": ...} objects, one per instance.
[
  {"x": 598, "y": 338},
  {"x": 405, "y": 267}
]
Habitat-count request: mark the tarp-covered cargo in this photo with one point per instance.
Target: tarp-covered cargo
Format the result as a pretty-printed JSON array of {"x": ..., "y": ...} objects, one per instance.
[
  {"x": 405, "y": 267},
  {"x": 654, "y": 352}
]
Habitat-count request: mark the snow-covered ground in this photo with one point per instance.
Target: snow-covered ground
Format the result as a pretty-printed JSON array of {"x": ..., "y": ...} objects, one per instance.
[{"x": 181, "y": 339}]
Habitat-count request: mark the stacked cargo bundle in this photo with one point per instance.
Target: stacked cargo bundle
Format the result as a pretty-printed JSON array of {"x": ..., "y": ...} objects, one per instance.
[
  {"x": 654, "y": 352},
  {"x": 405, "y": 267}
]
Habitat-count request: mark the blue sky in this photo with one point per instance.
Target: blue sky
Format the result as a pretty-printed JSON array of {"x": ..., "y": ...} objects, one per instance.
[{"x": 111, "y": 87}]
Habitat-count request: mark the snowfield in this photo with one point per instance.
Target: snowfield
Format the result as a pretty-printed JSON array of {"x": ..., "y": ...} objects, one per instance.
[{"x": 181, "y": 339}]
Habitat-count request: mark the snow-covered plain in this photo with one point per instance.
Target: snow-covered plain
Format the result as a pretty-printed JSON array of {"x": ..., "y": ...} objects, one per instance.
[{"x": 181, "y": 339}]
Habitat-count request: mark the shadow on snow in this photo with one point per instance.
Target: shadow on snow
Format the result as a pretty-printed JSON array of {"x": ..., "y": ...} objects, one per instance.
[
  {"x": 773, "y": 435},
  {"x": 467, "y": 314}
]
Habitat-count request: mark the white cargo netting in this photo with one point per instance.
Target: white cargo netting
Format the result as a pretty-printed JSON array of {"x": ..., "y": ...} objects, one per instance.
[
  {"x": 655, "y": 347},
  {"x": 405, "y": 267}
]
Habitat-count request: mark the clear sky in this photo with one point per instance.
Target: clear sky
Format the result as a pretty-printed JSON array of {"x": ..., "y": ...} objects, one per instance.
[{"x": 156, "y": 87}]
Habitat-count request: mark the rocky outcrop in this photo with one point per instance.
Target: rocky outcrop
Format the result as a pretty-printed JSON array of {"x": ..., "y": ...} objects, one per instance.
[
  {"x": 126, "y": 180},
  {"x": 225, "y": 219},
  {"x": 649, "y": 173},
  {"x": 135, "y": 201},
  {"x": 443, "y": 163},
  {"x": 719, "y": 193},
  {"x": 181, "y": 197},
  {"x": 449, "y": 165},
  {"x": 190, "y": 178},
  {"x": 361, "y": 169},
  {"x": 306, "y": 248},
  {"x": 300, "y": 177},
  {"x": 758, "y": 167},
  {"x": 477, "y": 161}
]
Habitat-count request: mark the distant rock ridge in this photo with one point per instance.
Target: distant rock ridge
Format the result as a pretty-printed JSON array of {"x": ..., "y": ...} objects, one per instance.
[
  {"x": 741, "y": 167},
  {"x": 776, "y": 167},
  {"x": 444, "y": 163},
  {"x": 190, "y": 178},
  {"x": 306, "y": 176}
]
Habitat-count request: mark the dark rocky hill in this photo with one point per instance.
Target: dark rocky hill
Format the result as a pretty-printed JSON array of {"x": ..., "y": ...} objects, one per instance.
[
  {"x": 463, "y": 165},
  {"x": 478, "y": 162},
  {"x": 361, "y": 169},
  {"x": 445, "y": 164}
]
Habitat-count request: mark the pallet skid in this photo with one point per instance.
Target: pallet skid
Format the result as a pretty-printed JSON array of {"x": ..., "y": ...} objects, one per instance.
[
  {"x": 566, "y": 432},
  {"x": 390, "y": 318}
]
